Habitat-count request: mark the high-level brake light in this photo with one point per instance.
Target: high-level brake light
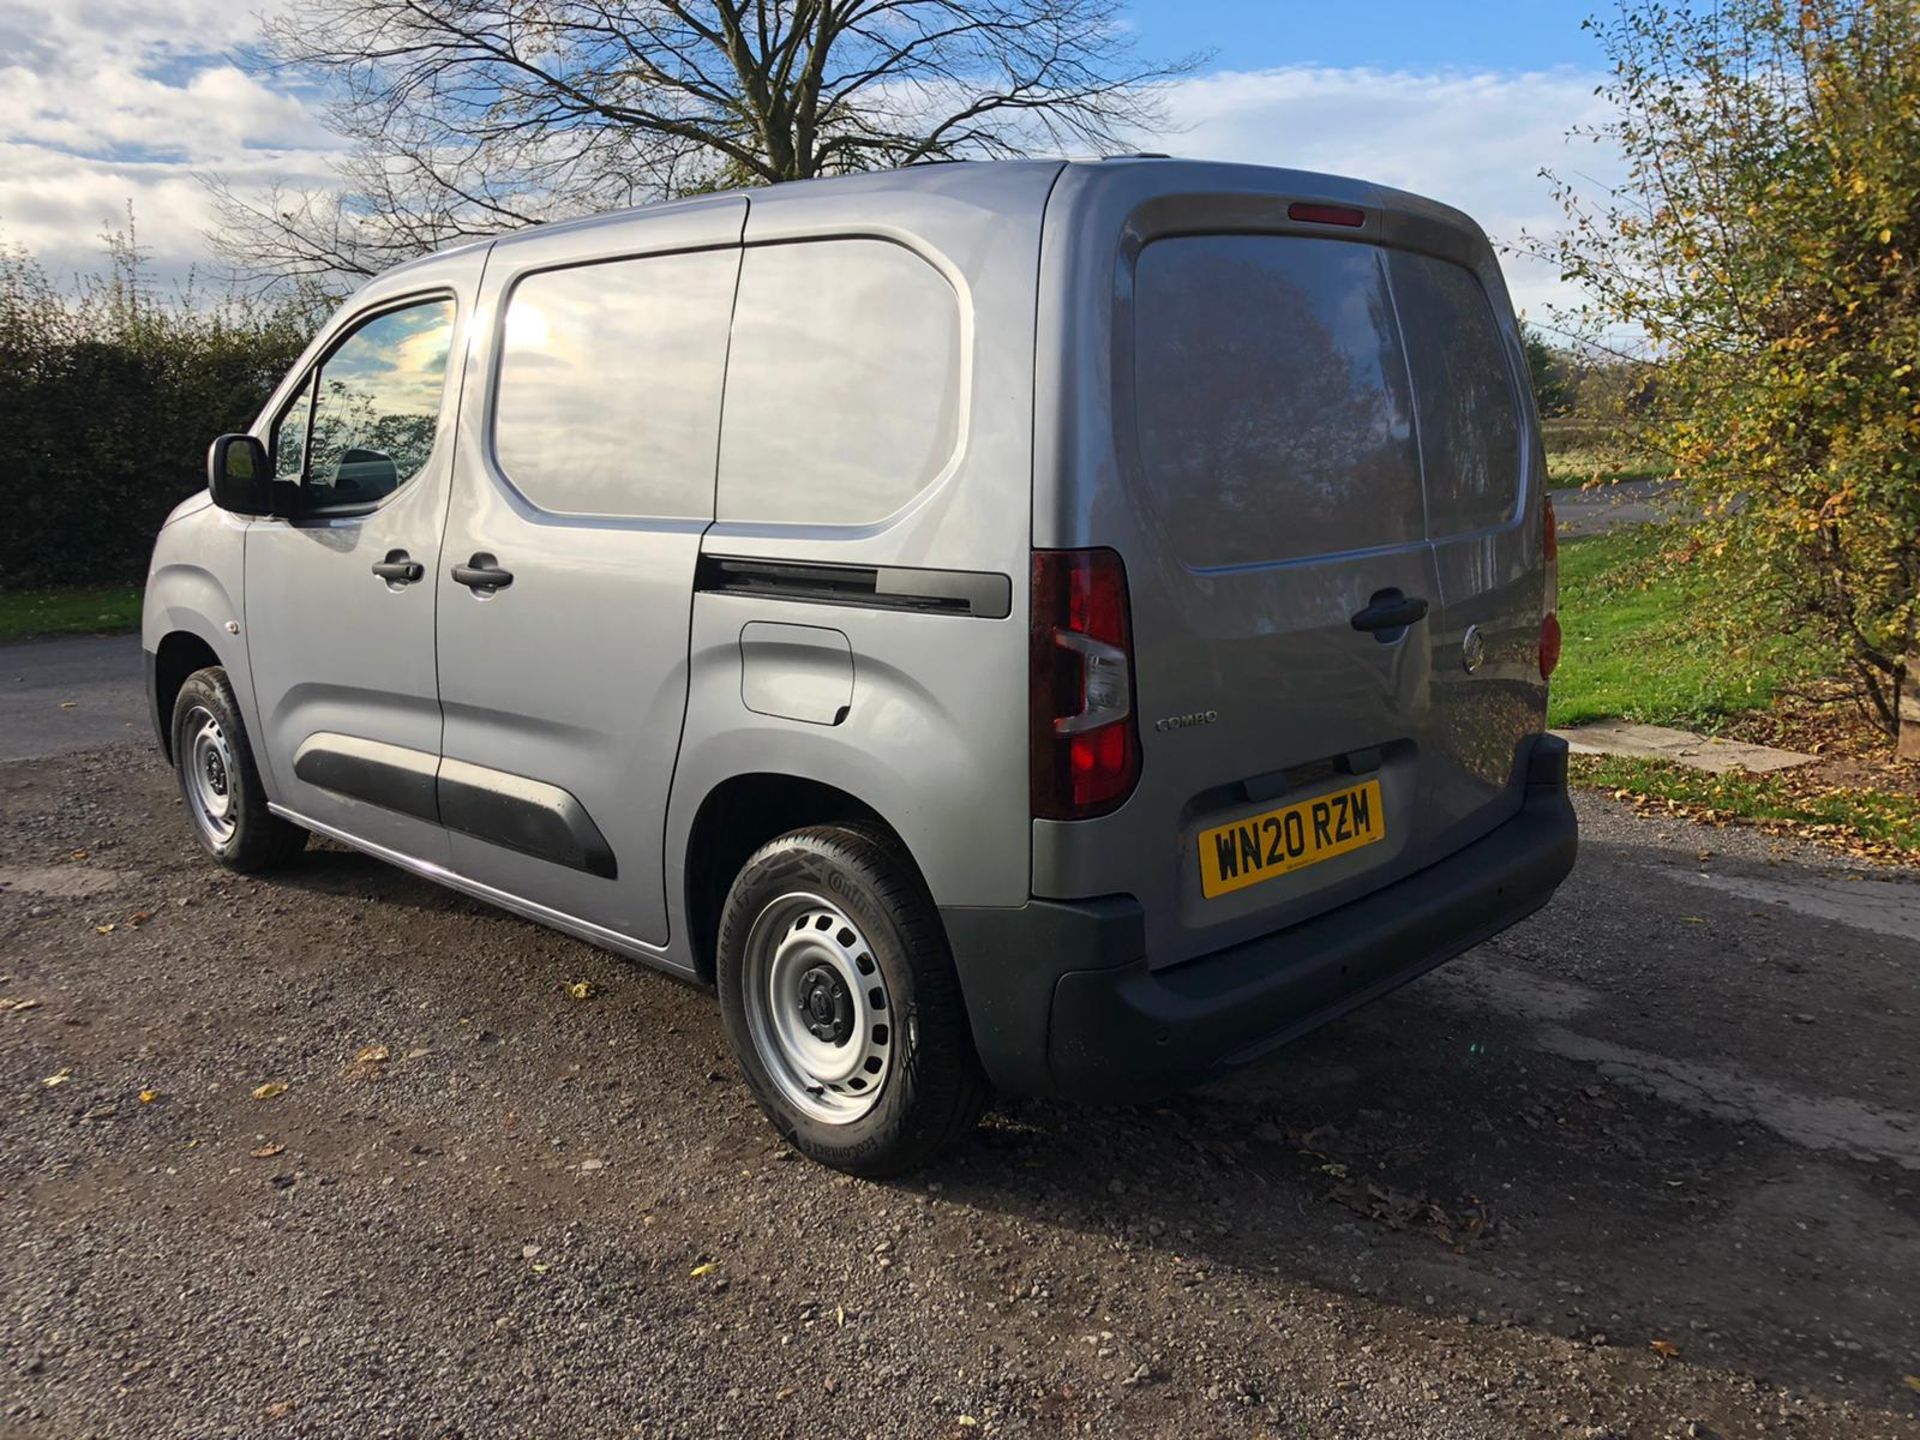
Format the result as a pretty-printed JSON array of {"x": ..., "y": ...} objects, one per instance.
[{"x": 1326, "y": 214}]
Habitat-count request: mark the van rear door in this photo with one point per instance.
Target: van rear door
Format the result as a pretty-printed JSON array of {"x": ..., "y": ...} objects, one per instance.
[
  {"x": 1308, "y": 731},
  {"x": 1478, "y": 440}
]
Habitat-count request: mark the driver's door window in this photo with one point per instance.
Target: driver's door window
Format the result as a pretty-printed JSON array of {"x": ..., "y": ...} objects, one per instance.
[
  {"x": 377, "y": 406},
  {"x": 290, "y": 435}
]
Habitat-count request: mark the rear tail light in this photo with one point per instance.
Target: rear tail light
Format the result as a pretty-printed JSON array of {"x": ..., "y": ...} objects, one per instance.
[
  {"x": 1085, "y": 747},
  {"x": 1550, "y": 620}
]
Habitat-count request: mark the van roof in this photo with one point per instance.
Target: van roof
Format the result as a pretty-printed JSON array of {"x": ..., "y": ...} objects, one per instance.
[{"x": 987, "y": 183}]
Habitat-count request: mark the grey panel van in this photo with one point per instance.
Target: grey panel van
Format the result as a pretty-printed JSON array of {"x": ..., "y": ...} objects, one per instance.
[{"x": 1056, "y": 628}]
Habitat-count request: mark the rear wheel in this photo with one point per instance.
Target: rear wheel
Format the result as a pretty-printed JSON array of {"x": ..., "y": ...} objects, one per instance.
[
  {"x": 219, "y": 781},
  {"x": 842, "y": 1004}
]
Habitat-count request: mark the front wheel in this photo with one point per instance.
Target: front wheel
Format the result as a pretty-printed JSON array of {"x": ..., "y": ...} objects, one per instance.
[
  {"x": 842, "y": 1004},
  {"x": 220, "y": 782}
]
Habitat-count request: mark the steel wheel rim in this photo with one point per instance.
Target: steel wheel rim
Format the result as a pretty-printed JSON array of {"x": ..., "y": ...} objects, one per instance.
[
  {"x": 805, "y": 959},
  {"x": 209, "y": 776}
]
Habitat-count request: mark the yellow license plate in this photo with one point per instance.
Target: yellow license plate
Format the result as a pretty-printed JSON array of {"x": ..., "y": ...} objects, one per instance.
[{"x": 1291, "y": 838}]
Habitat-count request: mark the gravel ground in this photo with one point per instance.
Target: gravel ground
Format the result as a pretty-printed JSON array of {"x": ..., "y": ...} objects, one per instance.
[{"x": 1646, "y": 1166}]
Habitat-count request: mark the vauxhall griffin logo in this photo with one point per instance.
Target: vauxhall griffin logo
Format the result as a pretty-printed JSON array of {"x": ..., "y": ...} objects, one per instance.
[{"x": 1187, "y": 721}]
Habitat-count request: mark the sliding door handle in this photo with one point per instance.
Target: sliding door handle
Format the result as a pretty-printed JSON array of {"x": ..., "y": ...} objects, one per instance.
[{"x": 482, "y": 574}]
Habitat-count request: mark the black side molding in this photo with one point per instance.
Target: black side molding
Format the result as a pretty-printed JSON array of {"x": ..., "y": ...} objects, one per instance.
[
  {"x": 530, "y": 816},
  {"x": 980, "y": 594},
  {"x": 390, "y": 776}
]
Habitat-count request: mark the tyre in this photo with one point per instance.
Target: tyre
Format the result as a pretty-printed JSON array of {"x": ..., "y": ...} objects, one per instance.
[
  {"x": 214, "y": 765},
  {"x": 841, "y": 1002}
]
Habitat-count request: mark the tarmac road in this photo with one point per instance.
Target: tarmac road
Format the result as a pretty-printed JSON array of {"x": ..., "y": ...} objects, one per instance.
[
  {"x": 68, "y": 694},
  {"x": 1610, "y": 507}
]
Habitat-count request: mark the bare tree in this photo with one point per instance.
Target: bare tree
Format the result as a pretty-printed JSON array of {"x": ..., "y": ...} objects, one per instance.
[{"x": 468, "y": 117}]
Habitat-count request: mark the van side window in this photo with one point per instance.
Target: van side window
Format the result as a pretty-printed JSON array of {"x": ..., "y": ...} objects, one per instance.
[
  {"x": 377, "y": 406},
  {"x": 608, "y": 397},
  {"x": 290, "y": 434},
  {"x": 843, "y": 383},
  {"x": 1271, "y": 399},
  {"x": 1465, "y": 400}
]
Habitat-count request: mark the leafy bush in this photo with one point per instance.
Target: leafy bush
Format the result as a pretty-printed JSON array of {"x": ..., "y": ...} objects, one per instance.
[{"x": 109, "y": 396}]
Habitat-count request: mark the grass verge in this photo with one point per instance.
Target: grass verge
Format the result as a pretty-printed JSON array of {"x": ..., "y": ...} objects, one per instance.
[
  {"x": 1872, "y": 824},
  {"x": 88, "y": 610},
  {"x": 1640, "y": 642}
]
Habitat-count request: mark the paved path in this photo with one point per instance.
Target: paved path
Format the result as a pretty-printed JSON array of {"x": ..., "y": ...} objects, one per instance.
[
  {"x": 69, "y": 694},
  {"x": 1682, "y": 747},
  {"x": 1610, "y": 507}
]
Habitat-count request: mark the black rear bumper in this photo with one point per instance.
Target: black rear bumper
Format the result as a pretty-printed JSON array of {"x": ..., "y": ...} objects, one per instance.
[{"x": 1062, "y": 999}]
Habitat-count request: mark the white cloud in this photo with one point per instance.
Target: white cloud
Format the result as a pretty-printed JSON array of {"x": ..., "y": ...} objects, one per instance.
[
  {"x": 44, "y": 33},
  {"x": 1475, "y": 141},
  {"x": 218, "y": 111},
  {"x": 128, "y": 101}
]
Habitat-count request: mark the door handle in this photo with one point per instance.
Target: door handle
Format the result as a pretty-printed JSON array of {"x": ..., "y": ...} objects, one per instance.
[
  {"x": 1390, "y": 610},
  {"x": 482, "y": 574},
  {"x": 399, "y": 568}
]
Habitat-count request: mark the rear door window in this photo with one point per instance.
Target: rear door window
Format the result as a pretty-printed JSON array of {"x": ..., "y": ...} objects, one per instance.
[
  {"x": 1271, "y": 399},
  {"x": 1465, "y": 400}
]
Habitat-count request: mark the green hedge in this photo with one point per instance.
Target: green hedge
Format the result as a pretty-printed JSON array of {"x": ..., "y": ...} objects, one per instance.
[{"x": 109, "y": 395}]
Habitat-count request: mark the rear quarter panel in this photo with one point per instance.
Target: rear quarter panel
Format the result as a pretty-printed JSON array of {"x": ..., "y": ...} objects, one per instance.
[{"x": 934, "y": 739}]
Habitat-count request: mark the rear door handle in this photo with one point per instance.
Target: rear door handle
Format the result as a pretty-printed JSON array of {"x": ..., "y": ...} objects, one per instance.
[
  {"x": 482, "y": 574},
  {"x": 399, "y": 568},
  {"x": 1390, "y": 610}
]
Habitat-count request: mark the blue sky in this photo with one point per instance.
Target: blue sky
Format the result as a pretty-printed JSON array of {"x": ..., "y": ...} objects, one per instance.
[
  {"x": 1382, "y": 34},
  {"x": 109, "y": 102}
]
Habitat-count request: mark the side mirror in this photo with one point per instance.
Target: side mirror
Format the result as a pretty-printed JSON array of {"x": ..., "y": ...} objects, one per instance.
[{"x": 239, "y": 476}]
